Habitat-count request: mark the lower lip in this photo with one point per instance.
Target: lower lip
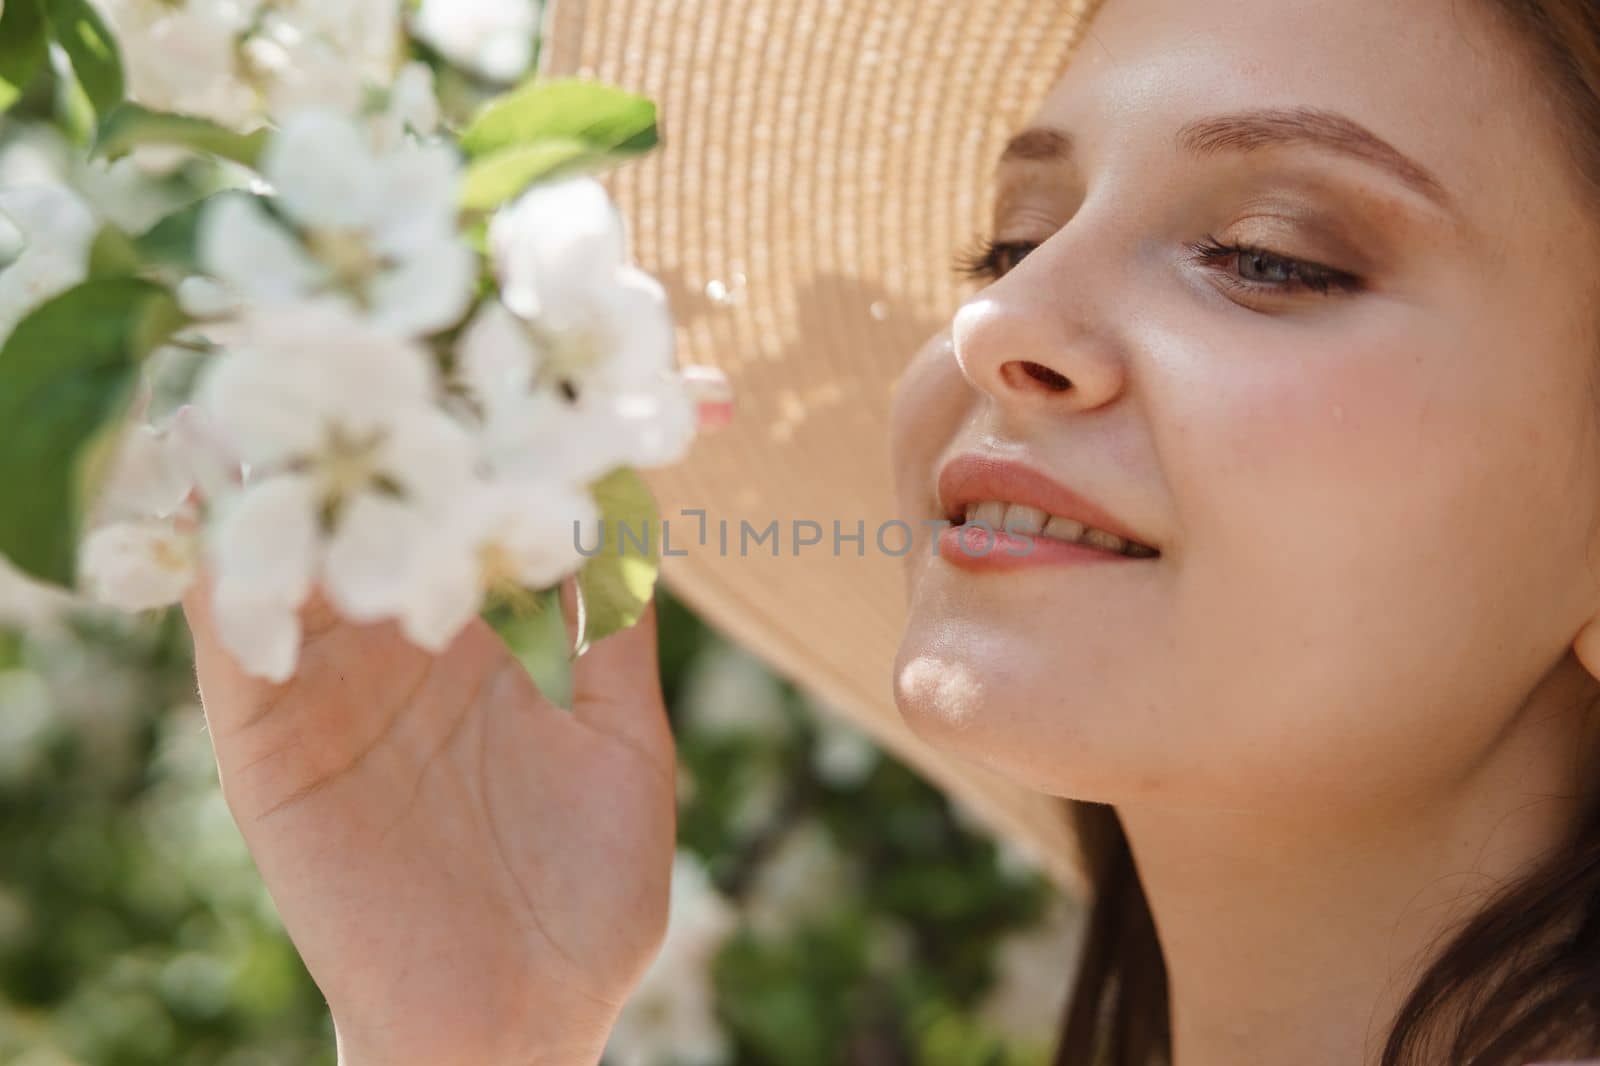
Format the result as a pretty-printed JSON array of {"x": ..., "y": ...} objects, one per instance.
[{"x": 976, "y": 549}]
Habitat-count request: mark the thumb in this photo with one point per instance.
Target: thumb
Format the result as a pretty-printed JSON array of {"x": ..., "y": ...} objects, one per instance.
[{"x": 616, "y": 683}]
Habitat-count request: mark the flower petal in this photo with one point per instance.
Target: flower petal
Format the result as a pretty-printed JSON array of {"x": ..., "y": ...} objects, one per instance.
[
  {"x": 138, "y": 566},
  {"x": 414, "y": 199},
  {"x": 442, "y": 596},
  {"x": 246, "y": 249},
  {"x": 497, "y": 357},
  {"x": 428, "y": 292},
  {"x": 150, "y": 478},
  {"x": 269, "y": 406},
  {"x": 265, "y": 543},
  {"x": 558, "y": 238},
  {"x": 429, "y": 455},
  {"x": 643, "y": 339},
  {"x": 370, "y": 556},
  {"x": 322, "y": 170},
  {"x": 261, "y": 631},
  {"x": 537, "y": 529}
]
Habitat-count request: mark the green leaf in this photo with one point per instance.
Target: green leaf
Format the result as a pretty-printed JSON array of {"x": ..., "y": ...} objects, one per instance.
[
  {"x": 492, "y": 181},
  {"x": 616, "y": 583},
  {"x": 604, "y": 117},
  {"x": 546, "y": 128},
  {"x": 66, "y": 375},
  {"x": 91, "y": 47},
  {"x": 23, "y": 48},
  {"x": 113, "y": 254},
  {"x": 128, "y": 126}
]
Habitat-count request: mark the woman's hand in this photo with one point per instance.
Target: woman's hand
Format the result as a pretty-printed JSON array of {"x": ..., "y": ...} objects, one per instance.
[{"x": 471, "y": 873}]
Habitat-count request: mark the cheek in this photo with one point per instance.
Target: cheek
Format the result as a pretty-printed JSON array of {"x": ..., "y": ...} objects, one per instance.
[
  {"x": 1359, "y": 514},
  {"x": 931, "y": 401}
]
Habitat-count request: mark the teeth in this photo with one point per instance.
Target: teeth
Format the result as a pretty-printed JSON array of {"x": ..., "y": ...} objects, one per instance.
[
  {"x": 1063, "y": 529},
  {"x": 990, "y": 515},
  {"x": 1027, "y": 521},
  {"x": 1101, "y": 539}
]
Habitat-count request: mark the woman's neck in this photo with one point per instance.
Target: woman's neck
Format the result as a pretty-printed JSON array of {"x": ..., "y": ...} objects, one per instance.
[{"x": 1294, "y": 935}]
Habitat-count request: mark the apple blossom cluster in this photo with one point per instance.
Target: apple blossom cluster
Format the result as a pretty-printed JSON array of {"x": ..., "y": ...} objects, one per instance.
[
  {"x": 242, "y": 62},
  {"x": 395, "y": 396}
]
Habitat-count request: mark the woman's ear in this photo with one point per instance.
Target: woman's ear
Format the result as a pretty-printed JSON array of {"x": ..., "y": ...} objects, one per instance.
[{"x": 1586, "y": 646}]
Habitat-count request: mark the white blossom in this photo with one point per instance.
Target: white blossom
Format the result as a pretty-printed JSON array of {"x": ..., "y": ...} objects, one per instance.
[
  {"x": 376, "y": 233},
  {"x": 581, "y": 349},
  {"x": 139, "y": 565},
  {"x": 57, "y": 230},
  {"x": 671, "y": 1017},
  {"x": 412, "y": 108},
  {"x": 317, "y": 54},
  {"x": 1034, "y": 976},
  {"x": 144, "y": 551},
  {"x": 349, "y": 465},
  {"x": 492, "y": 38},
  {"x": 800, "y": 882},
  {"x": 844, "y": 756},
  {"x": 729, "y": 692},
  {"x": 183, "y": 56},
  {"x": 241, "y": 63},
  {"x": 497, "y": 533},
  {"x": 25, "y": 602}
]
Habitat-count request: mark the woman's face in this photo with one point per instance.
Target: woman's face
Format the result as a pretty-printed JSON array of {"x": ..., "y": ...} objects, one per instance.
[{"x": 1367, "y": 459}]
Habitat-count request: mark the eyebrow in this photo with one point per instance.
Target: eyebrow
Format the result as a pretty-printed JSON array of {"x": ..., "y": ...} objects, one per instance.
[{"x": 1248, "y": 131}]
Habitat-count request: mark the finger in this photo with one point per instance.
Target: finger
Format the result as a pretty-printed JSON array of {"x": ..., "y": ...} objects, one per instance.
[
  {"x": 229, "y": 694},
  {"x": 219, "y": 674},
  {"x": 616, "y": 687}
]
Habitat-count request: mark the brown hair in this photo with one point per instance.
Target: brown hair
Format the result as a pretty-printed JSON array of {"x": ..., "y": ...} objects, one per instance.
[{"x": 1521, "y": 981}]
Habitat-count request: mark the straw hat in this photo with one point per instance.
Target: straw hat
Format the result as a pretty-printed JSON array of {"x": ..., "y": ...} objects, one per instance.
[{"x": 822, "y": 163}]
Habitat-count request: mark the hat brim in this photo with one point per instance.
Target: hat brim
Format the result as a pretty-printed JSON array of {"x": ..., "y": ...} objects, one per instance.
[{"x": 822, "y": 162}]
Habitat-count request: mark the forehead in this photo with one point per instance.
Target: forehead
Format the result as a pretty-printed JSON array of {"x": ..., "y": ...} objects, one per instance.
[{"x": 1440, "y": 80}]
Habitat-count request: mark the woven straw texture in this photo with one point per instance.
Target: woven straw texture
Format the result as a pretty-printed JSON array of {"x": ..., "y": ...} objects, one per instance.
[{"x": 822, "y": 162}]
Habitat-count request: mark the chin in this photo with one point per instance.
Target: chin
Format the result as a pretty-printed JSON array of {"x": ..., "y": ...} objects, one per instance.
[
  {"x": 1023, "y": 674},
  {"x": 965, "y": 692}
]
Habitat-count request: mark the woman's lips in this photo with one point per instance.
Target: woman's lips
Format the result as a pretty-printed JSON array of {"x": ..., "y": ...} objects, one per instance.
[
  {"x": 979, "y": 550},
  {"x": 975, "y": 478}
]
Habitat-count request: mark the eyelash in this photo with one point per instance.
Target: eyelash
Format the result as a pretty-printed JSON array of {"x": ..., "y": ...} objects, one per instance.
[{"x": 988, "y": 261}]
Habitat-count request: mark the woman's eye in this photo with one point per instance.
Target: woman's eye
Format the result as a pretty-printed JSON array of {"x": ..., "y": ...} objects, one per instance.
[
  {"x": 990, "y": 260},
  {"x": 1245, "y": 267},
  {"x": 1257, "y": 270}
]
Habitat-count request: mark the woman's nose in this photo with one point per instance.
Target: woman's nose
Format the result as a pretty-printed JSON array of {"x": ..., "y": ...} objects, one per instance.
[{"x": 1024, "y": 346}]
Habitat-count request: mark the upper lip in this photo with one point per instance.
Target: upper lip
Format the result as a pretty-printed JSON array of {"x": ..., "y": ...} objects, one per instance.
[{"x": 976, "y": 478}]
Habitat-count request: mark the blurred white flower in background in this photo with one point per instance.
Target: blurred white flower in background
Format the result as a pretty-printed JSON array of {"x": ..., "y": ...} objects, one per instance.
[
  {"x": 143, "y": 551},
  {"x": 800, "y": 881},
  {"x": 491, "y": 38},
  {"x": 25, "y": 602},
  {"x": 27, "y": 720},
  {"x": 322, "y": 54},
  {"x": 729, "y": 692},
  {"x": 53, "y": 231},
  {"x": 242, "y": 62},
  {"x": 183, "y": 55},
  {"x": 670, "y": 1020},
  {"x": 844, "y": 756},
  {"x": 412, "y": 107},
  {"x": 1034, "y": 971},
  {"x": 121, "y": 192},
  {"x": 375, "y": 233}
]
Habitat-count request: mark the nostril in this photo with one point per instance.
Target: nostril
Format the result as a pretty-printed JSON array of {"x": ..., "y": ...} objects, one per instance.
[{"x": 1040, "y": 373}]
